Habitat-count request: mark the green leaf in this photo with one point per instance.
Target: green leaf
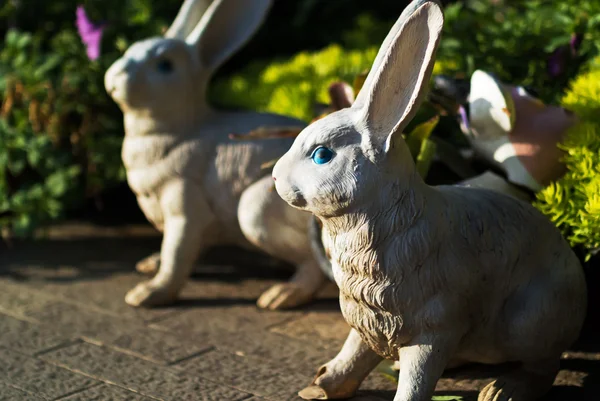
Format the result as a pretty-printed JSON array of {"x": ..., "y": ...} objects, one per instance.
[
  {"x": 359, "y": 81},
  {"x": 51, "y": 62},
  {"x": 425, "y": 157},
  {"x": 19, "y": 61},
  {"x": 23, "y": 41},
  {"x": 419, "y": 134},
  {"x": 12, "y": 37},
  {"x": 385, "y": 368},
  {"x": 556, "y": 42}
]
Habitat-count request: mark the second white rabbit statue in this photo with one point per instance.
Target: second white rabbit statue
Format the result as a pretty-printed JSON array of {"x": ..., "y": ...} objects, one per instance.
[
  {"x": 192, "y": 182},
  {"x": 432, "y": 277}
]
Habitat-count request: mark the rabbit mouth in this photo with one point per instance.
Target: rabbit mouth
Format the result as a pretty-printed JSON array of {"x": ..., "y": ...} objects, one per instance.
[
  {"x": 297, "y": 199},
  {"x": 294, "y": 197}
]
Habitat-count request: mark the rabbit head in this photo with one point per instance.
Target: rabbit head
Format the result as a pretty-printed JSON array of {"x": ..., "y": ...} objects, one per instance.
[
  {"x": 169, "y": 75},
  {"x": 338, "y": 163}
]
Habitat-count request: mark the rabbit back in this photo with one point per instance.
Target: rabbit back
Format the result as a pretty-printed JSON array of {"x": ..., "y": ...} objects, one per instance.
[
  {"x": 236, "y": 164},
  {"x": 526, "y": 276}
]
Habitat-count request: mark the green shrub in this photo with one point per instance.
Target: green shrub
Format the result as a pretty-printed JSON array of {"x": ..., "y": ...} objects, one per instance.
[
  {"x": 58, "y": 140},
  {"x": 573, "y": 203},
  {"x": 292, "y": 87},
  {"x": 61, "y": 134},
  {"x": 517, "y": 39}
]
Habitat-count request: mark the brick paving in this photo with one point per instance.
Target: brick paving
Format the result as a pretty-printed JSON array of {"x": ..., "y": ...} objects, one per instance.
[{"x": 66, "y": 333}]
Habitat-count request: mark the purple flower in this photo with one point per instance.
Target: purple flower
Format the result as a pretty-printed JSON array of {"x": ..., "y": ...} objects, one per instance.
[
  {"x": 90, "y": 33},
  {"x": 562, "y": 55},
  {"x": 557, "y": 61},
  {"x": 575, "y": 43}
]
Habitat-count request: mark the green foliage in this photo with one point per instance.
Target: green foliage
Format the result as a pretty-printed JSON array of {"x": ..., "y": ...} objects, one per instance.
[
  {"x": 53, "y": 138},
  {"x": 292, "y": 87},
  {"x": 295, "y": 86},
  {"x": 515, "y": 39},
  {"x": 573, "y": 203},
  {"x": 421, "y": 147},
  {"x": 61, "y": 134},
  {"x": 584, "y": 95}
]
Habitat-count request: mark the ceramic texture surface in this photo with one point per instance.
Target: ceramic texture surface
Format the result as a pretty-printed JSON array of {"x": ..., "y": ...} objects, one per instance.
[{"x": 432, "y": 277}]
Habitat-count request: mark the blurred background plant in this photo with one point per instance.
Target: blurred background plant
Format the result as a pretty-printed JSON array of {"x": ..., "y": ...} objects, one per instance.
[{"x": 60, "y": 134}]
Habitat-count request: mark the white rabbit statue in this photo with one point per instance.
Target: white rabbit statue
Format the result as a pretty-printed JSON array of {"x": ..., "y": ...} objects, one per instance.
[
  {"x": 191, "y": 181},
  {"x": 430, "y": 276}
]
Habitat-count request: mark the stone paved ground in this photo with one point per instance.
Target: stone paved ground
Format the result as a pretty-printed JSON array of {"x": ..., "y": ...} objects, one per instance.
[{"x": 66, "y": 334}]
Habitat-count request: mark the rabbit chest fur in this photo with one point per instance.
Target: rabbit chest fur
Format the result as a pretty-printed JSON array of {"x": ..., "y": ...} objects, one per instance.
[
  {"x": 219, "y": 167},
  {"x": 476, "y": 267}
]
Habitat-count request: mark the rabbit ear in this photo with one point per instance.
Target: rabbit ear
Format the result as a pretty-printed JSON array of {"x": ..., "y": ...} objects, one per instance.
[
  {"x": 188, "y": 16},
  {"x": 225, "y": 27},
  {"x": 395, "y": 86}
]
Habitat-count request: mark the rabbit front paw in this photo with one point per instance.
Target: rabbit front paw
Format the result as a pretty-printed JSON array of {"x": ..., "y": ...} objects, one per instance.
[
  {"x": 284, "y": 296},
  {"x": 330, "y": 383},
  {"x": 149, "y": 265},
  {"x": 147, "y": 294}
]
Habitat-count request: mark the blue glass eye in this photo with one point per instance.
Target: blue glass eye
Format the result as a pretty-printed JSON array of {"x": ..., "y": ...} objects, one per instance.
[
  {"x": 164, "y": 66},
  {"x": 322, "y": 155}
]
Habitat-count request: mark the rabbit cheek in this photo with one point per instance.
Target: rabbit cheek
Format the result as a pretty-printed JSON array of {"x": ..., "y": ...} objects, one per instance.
[
  {"x": 138, "y": 91},
  {"x": 332, "y": 197},
  {"x": 125, "y": 89}
]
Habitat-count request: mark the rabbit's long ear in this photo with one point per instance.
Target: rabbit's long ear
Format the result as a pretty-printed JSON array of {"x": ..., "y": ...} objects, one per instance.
[
  {"x": 395, "y": 86},
  {"x": 187, "y": 18},
  {"x": 225, "y": 27}
]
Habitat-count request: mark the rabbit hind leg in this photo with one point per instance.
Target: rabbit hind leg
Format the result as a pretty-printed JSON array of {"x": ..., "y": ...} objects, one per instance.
[
  {"x": 527, "y": 383},
  {"x": 281, "y": 231},
  {"x": 149, "y": 265}
]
